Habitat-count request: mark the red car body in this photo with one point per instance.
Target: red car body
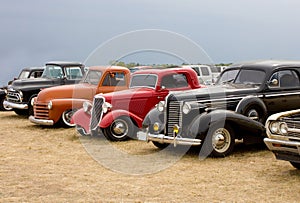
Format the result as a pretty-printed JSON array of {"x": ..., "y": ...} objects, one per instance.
[{"x": 125, "y": 110}]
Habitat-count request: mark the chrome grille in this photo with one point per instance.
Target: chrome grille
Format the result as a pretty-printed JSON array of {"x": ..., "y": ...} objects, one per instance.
[
  {"x": 13, "y": 97},
  {"x": 174, "y": 116},
  {"x": 41, "y": 110},
  {"x": 96, "y": 112},
  {"x": 293, "y": 126}
]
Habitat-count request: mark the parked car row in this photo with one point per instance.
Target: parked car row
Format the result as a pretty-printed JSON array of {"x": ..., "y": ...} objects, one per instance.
[{"x": 252, "y": 102}]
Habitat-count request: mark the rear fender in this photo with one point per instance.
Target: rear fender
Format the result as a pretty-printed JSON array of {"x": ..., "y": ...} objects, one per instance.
[
  {"x": 112, "y": 115},
  {"x": 242, "y": 125}
]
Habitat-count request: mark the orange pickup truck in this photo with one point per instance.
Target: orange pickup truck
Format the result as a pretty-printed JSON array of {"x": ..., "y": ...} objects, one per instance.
[{"x": 56, "y": 105}]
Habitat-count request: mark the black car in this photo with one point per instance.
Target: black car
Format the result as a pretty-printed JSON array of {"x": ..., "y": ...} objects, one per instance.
[
  {"x": 236, "y": 108},
  {"x": 21, "y": 92},
  {"x": 29, "y": 72}
]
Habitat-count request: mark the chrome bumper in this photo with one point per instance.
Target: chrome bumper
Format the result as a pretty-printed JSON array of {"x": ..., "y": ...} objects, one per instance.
[
  {"x": 283, "y": 145},
  {"x": 14, "y": 105},
  {"x": 161, "y": 138},
  {"x": 41, "y": 121}
]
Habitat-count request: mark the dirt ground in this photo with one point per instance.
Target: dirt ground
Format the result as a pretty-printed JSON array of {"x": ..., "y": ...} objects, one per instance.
[{"x": 43, "y": 164}]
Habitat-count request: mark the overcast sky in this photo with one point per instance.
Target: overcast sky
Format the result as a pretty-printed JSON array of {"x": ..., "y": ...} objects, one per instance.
[{"x": 33, "y": 31}]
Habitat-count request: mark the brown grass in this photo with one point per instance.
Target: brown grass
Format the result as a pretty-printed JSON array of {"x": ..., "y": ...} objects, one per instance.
[{"x": 40, "y": 164}]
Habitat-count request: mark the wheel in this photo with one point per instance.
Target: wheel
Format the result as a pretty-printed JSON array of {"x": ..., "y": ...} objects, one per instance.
[
  {"x": 121, "y": 129},
  {"x": 81, "y": 131},
  {"x": 66, "y": 116},
  {"x": 295, "y": 164},
  {"x": 255, "y": 113},
  {"x": 220, "y": 141},
  {"x": 21, "y": 112},
  {"x": 2, "y": 107},
  {"x": 160, "y": 145}
]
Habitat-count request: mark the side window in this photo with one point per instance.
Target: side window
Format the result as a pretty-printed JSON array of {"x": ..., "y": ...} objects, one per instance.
[
  {"x": 73, "y": 73},
  {"x": 283, "y": 79},
  {"x": 114, "y": 79},
  {"x": 174, "y": 81},
  {"x": 35, "y": 74},
  {"x": 204, "y": 71}
]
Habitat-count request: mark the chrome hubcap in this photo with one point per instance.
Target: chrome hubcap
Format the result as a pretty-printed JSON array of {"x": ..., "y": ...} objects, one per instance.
[
  {"x": 119, "y": 128},
  {"x": 253, "y": 114},
  {"x": 221, "y": 140}
]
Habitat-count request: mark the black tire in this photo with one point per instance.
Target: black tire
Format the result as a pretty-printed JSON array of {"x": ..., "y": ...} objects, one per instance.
[
  {"x": 295, "y": 164},
  {"x": 120, "y": 129},
  {"x": 2, "y": 107},
  {"x": 66, "y": 118},
  {"x": 219, "y": 141},
  {"x": 160, "y": 145},
  {"x": 81, "y": 130},
  {"x": 255, "y": 113},
  {"x": 30, "y": 110},
  {"x": 21, "y": 112}
]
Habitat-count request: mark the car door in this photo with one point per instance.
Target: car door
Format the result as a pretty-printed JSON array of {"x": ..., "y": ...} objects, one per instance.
[{"x": 284, "y": 91}]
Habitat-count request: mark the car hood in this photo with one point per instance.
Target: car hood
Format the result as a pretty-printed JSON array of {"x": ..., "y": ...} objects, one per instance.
[
  {"x": 215, "y": 92},
  {"x": 34, "y": 82},
  {"x": 129, "y": 94},
  {"x": 79, "y": 91}
]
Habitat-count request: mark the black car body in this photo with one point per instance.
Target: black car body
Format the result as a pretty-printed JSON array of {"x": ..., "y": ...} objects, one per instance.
[
  {"x": 29, "y": 72},
  {"x": 236, "y": 108},
  {"x": 21, "y": 92}
]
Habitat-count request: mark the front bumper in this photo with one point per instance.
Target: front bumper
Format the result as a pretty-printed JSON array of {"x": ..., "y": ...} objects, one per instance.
[
  {"x": 14, "y": 105},
  {"x": 41, "y": 121},
  {"x": 283, "y": 149},
  {"x": 161, "y": 138}
]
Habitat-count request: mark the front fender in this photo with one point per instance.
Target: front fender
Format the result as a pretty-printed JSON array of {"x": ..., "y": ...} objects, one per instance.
[
  {"x": 154, "y": 116},
  {"x": 112, "y": 115},
  {"x": 82, "y": 119},
  {"x": 240, "y": 124}
]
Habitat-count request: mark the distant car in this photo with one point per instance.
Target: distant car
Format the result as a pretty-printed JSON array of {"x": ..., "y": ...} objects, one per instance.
[
  {"x": 20, "y": 93},
  {"x": 206, "y": 74},
  {"x": 236, "y": 108},
  {"x": 26, "y": 73},
  {"x": 56, "y": 105},
  {"x": 119, "y": 114},
  {"x": 136, "y": 68},
  {"x": 283, "y": 131}
]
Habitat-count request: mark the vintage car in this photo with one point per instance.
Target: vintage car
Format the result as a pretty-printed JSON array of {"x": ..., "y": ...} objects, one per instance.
[
  {"x": 283, "y": 131},
  {"x": 20, "y": 93},
  {"x": 56, "y": 105},
  {"x": 29, "y": 72},
  {"x": 119, "y": 114},
  {"x": 236, "y": 108}
]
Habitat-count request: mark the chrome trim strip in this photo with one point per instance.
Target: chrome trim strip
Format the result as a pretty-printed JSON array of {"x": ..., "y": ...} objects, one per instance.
[{"x": 41, "y": 121}]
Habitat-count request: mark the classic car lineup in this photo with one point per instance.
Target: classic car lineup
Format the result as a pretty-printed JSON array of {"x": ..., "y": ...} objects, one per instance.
[
  {"x": 255, "y": 102},
  {"x": 120, "y": 114},
  {"x": 56, "y": 105}
]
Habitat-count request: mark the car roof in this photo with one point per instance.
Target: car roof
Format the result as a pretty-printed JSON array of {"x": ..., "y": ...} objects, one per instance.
[
  {"x": 108, "y": 67},
  {"x": 34, "y": 68},
  {"x": 162, "y": 70},
  {"x": 266, "y": 64},
  {"x": 64, "y": 63}
]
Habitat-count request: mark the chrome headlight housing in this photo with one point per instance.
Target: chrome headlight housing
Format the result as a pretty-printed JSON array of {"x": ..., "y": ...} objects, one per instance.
[
  {"x": 186, "y": 108},
  {"x": 21, "y": 94},
  {"x": 106, "y": 106},
  {"x": 50, "y": 105},
  {"x": 161, "y": 106},
  {"x": 87, "y": 107},
  {"x": 277, "y": 127},
  {"x": 32, "y": 101}
]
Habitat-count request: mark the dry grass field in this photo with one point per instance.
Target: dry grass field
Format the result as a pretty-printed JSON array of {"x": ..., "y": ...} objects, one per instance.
[{"x": 43, "y": 164}]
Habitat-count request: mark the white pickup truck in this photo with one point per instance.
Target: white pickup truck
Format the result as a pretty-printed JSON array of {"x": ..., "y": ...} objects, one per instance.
[{"x": 206, "y": 74}]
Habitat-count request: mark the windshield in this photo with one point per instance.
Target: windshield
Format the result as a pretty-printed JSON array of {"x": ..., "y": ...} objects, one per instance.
[
  {"x": 24, "y": 74},
  {"x": 243, "y": 76},
  {"x": 143, "y": 81},
  {"x": 92, "y": 77},
  {"x": 53, "y": 72}
]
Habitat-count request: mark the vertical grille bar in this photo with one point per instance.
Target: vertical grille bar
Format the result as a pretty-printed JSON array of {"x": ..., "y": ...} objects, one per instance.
[
  {"x": 96, "y": 112},
  {"x": 174, "y": 116}
]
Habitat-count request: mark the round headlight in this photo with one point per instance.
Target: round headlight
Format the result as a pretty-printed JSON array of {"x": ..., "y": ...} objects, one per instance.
[
  {"x": 186, "y": 108},
  {"x": 274, "y": 127},
  {"x": 283, "y": 129},
  {"x": 50, "y": 105},
  {"x": 32, "y": 101},
  {"x": 87, "y": 106},
  {"x": 106, "y": 106},
  {"x": 161, "y": 106}
]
